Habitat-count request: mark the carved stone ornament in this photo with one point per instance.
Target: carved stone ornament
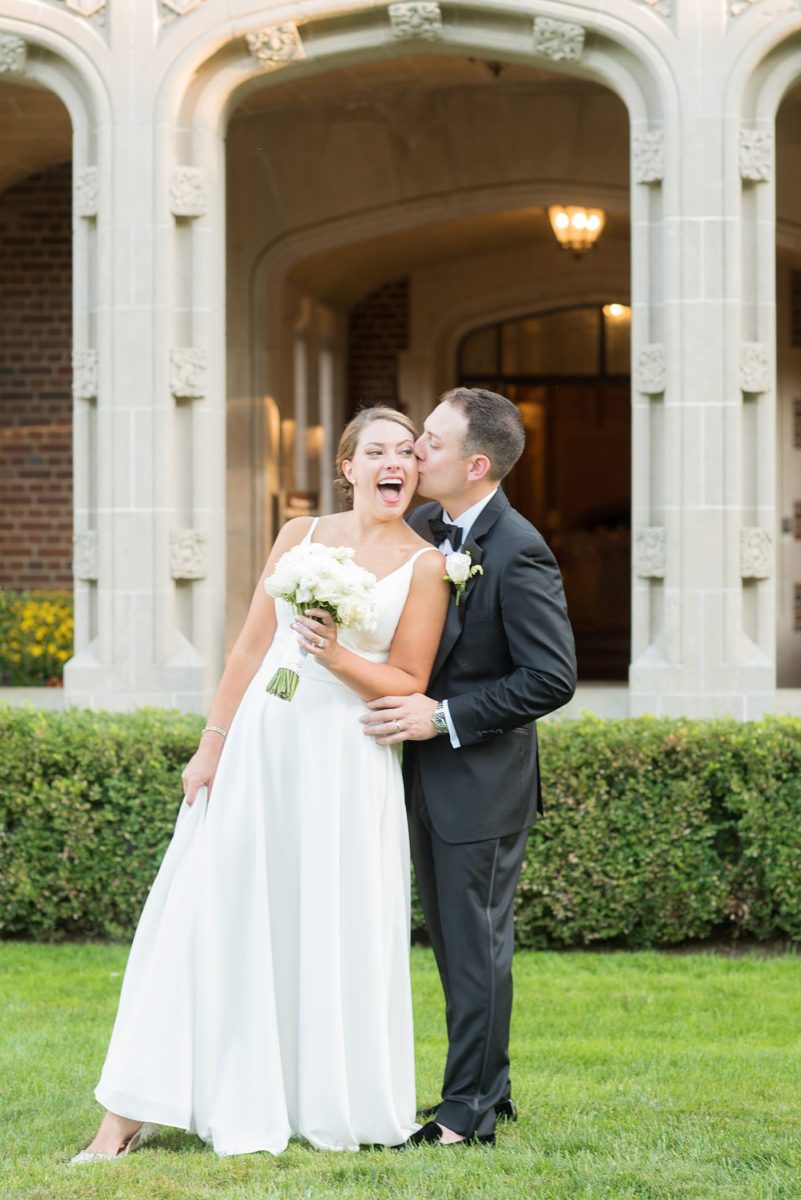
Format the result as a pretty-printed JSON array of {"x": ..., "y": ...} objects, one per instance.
[
  {"x": 86, "y": 8},
  {"x": 276, "y": 46},
  {"x": 754, "y": 367},
  {"x": 188, "y": 192},
  {"x": 756, "y": 155},
  {"x": 648, "y": 156},
  {"x": 182, "y": 7},
  {"x": 768, "y": 11},
  {"x": 187, "y": 554},
  {"x": 13, "y": 54},
  {"x": 84, "y": 555},
  {"x": 416, "y": 21},
  {"x": 563, "y": 41},
  {"x": 84, "y": 374},
  {"x": 86, "y": 191},
  {"x": 650, "y": 373},
  {"x": 649, "y": 552},
  {"x": 663, "y": 7},
  {"x": 756, "y": 553},
  {"x": 188, "y": 373}
]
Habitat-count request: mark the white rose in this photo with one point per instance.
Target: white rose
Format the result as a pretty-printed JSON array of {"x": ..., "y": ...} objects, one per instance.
[{"x": 457, "y": 567}]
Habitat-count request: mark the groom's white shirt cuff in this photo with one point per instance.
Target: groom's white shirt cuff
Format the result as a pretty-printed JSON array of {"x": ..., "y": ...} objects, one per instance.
[
  {"x": 451, "y": 727},
  {"x": 466, "y": 522}
]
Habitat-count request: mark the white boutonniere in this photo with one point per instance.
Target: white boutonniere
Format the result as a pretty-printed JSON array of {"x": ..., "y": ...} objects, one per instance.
[{"x": 459, "y": 568}]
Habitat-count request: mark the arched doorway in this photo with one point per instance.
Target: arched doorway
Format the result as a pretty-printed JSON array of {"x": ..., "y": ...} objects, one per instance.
[
  {"x": 36, "y": 492},
  {"x": 568, "y": 372},
  {"x": 788, "y": 387},
  {"x": 362, "y": 255}
]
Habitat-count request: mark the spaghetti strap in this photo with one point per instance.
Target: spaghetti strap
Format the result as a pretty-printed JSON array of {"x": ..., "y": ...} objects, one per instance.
[
  {"x": 311, "y": 529},
  {"x": 417, "y": 553}
]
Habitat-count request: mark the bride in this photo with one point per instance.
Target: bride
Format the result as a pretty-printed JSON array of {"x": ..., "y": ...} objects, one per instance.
[{"x": 267, "y": 992}]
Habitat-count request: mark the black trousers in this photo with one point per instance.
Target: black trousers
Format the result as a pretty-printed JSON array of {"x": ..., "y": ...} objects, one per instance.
[{"x": 467, "y": 893}]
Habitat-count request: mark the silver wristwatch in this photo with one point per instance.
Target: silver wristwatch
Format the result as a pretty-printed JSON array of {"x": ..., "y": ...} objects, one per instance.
[{"x": 438, "y": 719}]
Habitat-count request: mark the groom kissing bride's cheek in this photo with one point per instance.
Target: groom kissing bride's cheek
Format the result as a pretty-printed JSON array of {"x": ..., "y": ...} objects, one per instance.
[
  {"x": 471, "y": 768},
  {"x": 267, "y": 994}
]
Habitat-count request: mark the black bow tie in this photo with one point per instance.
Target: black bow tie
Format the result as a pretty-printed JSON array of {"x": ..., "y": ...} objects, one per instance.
[{"x": 442, "y": 530}]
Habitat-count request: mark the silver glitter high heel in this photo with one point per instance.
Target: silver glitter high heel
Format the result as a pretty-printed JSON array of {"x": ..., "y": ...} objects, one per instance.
[{"x": 145, "y": 1133}]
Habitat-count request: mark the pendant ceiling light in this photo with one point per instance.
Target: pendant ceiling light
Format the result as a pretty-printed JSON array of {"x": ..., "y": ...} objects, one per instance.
[{"x": 576, "y": 228}]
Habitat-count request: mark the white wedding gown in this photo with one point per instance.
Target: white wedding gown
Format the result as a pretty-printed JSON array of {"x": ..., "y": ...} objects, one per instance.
[{"x": 267, "y": 992}]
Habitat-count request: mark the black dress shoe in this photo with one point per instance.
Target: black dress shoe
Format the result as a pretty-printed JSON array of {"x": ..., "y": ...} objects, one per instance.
[
  {"x": 505, "y": 1111},
  {"x": 430, "y": 1134}
]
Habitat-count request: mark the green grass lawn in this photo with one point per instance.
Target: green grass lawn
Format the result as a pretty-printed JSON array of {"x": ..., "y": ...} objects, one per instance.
[{"x": 637, "y": 1075}]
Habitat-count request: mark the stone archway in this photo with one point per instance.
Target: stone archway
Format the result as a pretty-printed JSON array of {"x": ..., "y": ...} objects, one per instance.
[
  {"x": 763, "y": 87},
  {"x": 150, "y": 321},
  {"x": 450, "y": 225},
  {"x": 153, "y": 371},
  {"x": 43, "y": 59},
  {"x": 623, "y": 61}
]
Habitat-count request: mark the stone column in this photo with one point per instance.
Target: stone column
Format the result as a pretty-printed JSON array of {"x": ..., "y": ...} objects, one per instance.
[
  {"x": 704, "y": 470},
  {"x": 151, "y": 474}
]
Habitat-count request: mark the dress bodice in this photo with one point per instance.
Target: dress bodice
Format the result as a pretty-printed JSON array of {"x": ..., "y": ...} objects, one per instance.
[{"x": 392, "y": 591}]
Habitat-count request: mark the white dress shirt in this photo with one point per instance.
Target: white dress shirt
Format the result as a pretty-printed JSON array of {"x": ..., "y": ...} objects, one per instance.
[{"x": 465, "y": 522}]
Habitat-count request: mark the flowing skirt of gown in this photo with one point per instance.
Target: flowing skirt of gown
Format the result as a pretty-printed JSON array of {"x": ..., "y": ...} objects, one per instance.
[{"x": 267, "y": 991}]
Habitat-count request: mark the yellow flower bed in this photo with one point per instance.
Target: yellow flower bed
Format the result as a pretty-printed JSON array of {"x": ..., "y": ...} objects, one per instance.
[{"x": 36, "y": 637}]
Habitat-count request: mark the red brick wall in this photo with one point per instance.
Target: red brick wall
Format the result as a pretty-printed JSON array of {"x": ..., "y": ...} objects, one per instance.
[
  {"x": 35, "y": 381},
  {"x": 378, "y": 328}
]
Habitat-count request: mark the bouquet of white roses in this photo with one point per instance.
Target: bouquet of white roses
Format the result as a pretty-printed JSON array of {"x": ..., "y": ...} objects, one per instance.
[{"x": 312, "y": 575}]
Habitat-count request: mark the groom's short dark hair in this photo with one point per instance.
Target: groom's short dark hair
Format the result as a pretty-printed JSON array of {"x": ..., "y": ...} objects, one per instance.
[{"x": 494, "y": 427}]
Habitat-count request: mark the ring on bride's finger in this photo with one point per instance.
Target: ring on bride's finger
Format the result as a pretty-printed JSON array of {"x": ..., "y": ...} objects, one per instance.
[
  {"x": 399, "y": 727},
  {"x": 321, "y": 642}
]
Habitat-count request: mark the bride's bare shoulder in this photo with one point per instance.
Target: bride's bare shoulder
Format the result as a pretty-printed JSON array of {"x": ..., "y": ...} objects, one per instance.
[
  {"x": 331, "y": 525},
  {"x": 292, "y": 532}
]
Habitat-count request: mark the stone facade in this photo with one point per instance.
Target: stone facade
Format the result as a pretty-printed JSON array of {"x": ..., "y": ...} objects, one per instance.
[{"x": 270, "y": 167}]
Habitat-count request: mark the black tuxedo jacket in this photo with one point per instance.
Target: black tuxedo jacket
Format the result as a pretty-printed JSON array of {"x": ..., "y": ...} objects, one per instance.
[{"x": 506, "y": 657}]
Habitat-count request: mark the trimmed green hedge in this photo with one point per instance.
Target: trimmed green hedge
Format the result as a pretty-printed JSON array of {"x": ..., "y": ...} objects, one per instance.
[{"x": 655, "y": 831}]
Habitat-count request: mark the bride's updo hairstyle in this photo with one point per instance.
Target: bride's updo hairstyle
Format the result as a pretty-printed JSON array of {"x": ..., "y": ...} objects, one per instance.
[{"x": 351, "y": 436}]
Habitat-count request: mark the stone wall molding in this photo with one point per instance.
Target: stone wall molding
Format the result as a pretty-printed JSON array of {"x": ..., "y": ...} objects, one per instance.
[
  {"x": 84, "y": 374},
  {"x": 84, "y": 555},
  {"x": 276, "y": 45},
  {"x": 188, "y": 366},
  {"x": 13, "y": 54},
  {"x": 188, "y": 559},
  {"x": 754, "y": 368},
  {"x": 649, "y": 552},
  {"x": 561, "y": 41},
  {"x": 756, "y": 155},
  {"x": 648, "y": 156},
  {"x": 188, "y": 191},
  {"x": 650, "y": 373},
  {"x": 86, "y": 191},
  {"x": 416, "y": 20},
  {"x": 756, "y": 553}
]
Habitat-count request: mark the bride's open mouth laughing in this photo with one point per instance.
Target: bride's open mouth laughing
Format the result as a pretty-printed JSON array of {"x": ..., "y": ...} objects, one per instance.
[{"x": 390, "y": 489}]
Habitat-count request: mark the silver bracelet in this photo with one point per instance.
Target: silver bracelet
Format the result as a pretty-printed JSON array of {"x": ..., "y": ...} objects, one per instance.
[{"x": 215, "y": 729}]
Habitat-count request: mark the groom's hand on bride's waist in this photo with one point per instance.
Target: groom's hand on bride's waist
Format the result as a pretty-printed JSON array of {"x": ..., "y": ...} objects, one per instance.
[{"x": 400, "y": 719}]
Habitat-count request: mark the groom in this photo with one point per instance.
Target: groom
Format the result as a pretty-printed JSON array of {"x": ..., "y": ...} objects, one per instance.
[{"x": 471, "y": 766}]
